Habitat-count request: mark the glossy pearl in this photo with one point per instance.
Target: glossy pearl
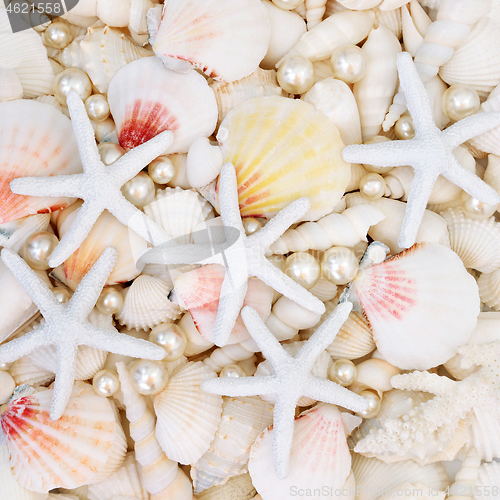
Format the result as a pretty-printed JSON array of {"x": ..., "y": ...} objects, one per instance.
[
  {"x": 140, "y": 190},
  {"x": 404, "y": 128},
  {"x": 38, "y": 248},
  {"x": 303, "y": 268},
  {"x": 72, "y": 79},
  {"x": 251, "y": 225},
  {"x": 348, "y": 63},
  {"x": 287, "y": 4},
  {"x": 148, "y": 377},
  {"x": 296, "y": 75},
  {"x": 62, "y": 295},
  {"x": 476, "y": 209},
  {"x": 460, "y": 101},
  {"x": 110, "y": 301},
  {"x": 57, "y": 35},
  {"x": 372, "y": 186},
  {"x": 162, "y": 170},
  {"x": 374, "y": 168},
  {"x": 339, "y": 265},
  {"x": 373, "y": 404},
  {"x": 6, "y": 366},
  {"x": 106, "y": 383},
  {"x": 343, "y": 372},
  {"x": 232, "y": 371},
  {"x": 7, "y": 386},
  {"x": 172, "y": 338},
  {"x": 97, "y": 107},
  {"x": 110, "y": 152}
]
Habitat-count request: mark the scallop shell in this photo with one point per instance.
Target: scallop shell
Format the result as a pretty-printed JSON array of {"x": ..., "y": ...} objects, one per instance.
[
  {"x": 146, "y": 304},
  {"x": 35, "y": 140},
  {"x": 145, "y": 99},
  {"x": 178, "y": 212},
  {"x": 391, "y": 19},
  {"x": 10, "y": 86},
  {"x": 475, "y": 241},
  {"x": 421, "y": 305},
  {"x": 226, "y": 39},
  {"x": 492, "y": 172},
  {"x": 275, "y": 165},
  {"x": 14, "y": 233},
  {"x": 319, "y": 456},
  {"x": 24, "y": 371},
  {"x": 484, "y": 435},
  {"x": 324, "y": 290},
  {"x": 243, "y": 419},
  {"x": 70, "y": 451},
  {"x": 187, "y": 416},
  {"x": 489, "y": 142},
  {"x": 488, "y": 480},
  {"x": 237, "y": 488},
  {"x": 199, "y": 292},
  {"x": 476, "y": 62},
  {"x": 489, "y": 289}
]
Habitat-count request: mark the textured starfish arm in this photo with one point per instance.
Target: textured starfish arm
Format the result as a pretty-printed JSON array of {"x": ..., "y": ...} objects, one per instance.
[
  {"x": 330, "y": 392},
  {"x": 423, "y": 381},
  {"x": 484, "y": 354},
  {"x": 228, "y": 198},
  {"x": 469, "y": 127},
  {"x": 273, "y": 277},
  {"x": 65, "y": 376},
  {"x": 240, "y": 387},
  {"x": 17, "y": 348},
  {"x": 60, "y": 185},
  {"x": 283, "y": 429},
  {"x": 400, "y": 153},
  {"x": 130, "y": 164},
  {"x": 77, "y": 232}
]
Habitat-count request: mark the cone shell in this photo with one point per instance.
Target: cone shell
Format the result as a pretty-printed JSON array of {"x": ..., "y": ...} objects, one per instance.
[
  {"x": 146, "y": 304},
  {"x": 145, "y": 99},
  {"x": 243, "y": 419},
  {"x": 275, "y": 165},
  {"x": 35, "y": 140},
  {"x": 421, "y": 305},
  {"x": 69, "y": 452},
  {"x": 319, "y": 456},
  {"x": 237, "y": 488},
  {"x": 226, "y": 39},
  {"x": 188, "y": 417},
  {"x": 199, "y": 291}
]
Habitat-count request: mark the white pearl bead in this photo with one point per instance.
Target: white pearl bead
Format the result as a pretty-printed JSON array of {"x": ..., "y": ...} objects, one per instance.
[
  {"x": 148, "y": 377},
  {"x": 296, "y": 75},
  {"x": 303, "y": 268},
  {"x": 476, "y": 209},
  {"x": 460, "y": 101},
  {"x": 348, "y": 63},
  {"x": 110, "y": 152},
  {"x": 373, "y": 404},
  {"x": 7, "y": 386},
  {"x": 251, "y": 225},
  {"x": 72, "y": 79},
  {"x": 372, "y": 186},
  {"x": 110, "y": 301},
  {"x": 57, "y": 35},
  {"x": 404, "y": 128},
  {"x": 6, "y": 366},
  {"x": 343, "y": 372},
  {"x": 97, "y": 107},
  {"x": 339, "y": 265},
  {"x": 172, "y": 338},
  {"x": 374, "y": 168},
  {"x": 162, "y": 170},
  {"x": 106, "y": 383},
  {"x": 62, "y": 295},
  {"x": 232, "y": 371},
  {"x": 288, "y": 4},
  {"x": 140, "y": 190},
  {"x": 38, "y": 248}
]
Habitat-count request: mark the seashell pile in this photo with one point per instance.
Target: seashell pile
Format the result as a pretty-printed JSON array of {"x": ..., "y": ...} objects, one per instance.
[{"x": 250, "y": 249}]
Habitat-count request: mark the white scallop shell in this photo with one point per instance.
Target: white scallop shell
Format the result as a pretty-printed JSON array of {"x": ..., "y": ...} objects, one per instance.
[
  {"x": 489, "y": 142},
  {"x": 489, "y": 478},
  {"x": 204, "y": 162},
  {"x": 484, "y": 435},
  {"x": 391, "y": 19},
  {"x": 10, "y": 86},
  {"x": 489, "y": 289},
  {"x": 237, "y": 488},
  {"x": 492, "y": 172},
  {"x": 25, "y": 371}
]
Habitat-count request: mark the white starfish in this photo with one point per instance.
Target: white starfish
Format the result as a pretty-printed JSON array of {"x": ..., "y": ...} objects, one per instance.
[
  {"x": 291, "y": 379},
  {"x": 99, "y": 185},
  {"x": 430, "y": 152},
  {"x": 243, "y": 259},
  {"x": 66, "y": 326}
]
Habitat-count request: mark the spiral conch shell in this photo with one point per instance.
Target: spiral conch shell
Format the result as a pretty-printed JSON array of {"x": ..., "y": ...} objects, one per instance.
[{"x": 275, "y": 165}]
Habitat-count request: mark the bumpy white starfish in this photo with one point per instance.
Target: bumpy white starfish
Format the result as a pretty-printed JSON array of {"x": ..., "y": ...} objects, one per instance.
[
  {"x": 66, "y": 326},
  {"x": 430, "y": 152},
  {"x": 99, "y": 185},
  {"x": 291, "y": 379},
  {"x": 242, "y": 259}
]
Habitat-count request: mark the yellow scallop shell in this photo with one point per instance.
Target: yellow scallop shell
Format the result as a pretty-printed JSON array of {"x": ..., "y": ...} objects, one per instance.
[{"x": 283, "y": 149}]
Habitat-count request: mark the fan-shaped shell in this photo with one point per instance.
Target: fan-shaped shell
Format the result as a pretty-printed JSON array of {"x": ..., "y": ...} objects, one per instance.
[
  {"x": 484, "y": 435},
  {"x": 146, "y": 304},
  {"x": 492, "y": 172},
  {"x": 489, "y": 289},
  {"x": 35, "y": 140},
  {"x": 145, "y": 99},
  {"x": 24, "y": 371},
  {"x": 319, "y": 456},
  {"x": 275, "y": 165},
  {"x": 10, "y": 86},
  {"x": 489, "y": 142},
  {"x": 70, "y": 451},
  {"x": 226, "y": 39},
  {"x": 488, "y": 480},
  {"x": 187, "y": 416},
  {"x": 421, "y": 305}
]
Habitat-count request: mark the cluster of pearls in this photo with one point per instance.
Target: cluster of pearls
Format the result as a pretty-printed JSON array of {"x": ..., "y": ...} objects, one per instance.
[
  {"x": 110, "y": 301},
  {"x": 303, "y": 268},
  {"x": 162, "y": 170},
  {"x": 140, "y": 190},
  {"x": 339, "y": 265},
  {"x": 460, "y": 101},
  {"x": 72, "y": 79},
  {"x": 148, "y": 377},
  {"x": 349, "y": 63},
  {"x": 106, "y": 383},
  {"x": 343, "y": 372},
  {"x": 38, "y": 248},
  {"x": 57, "y": 35},
  {"x": 296, "y": 75},
  {"x": 97, "y": 107},
  {"x": 172, "y": 338}
]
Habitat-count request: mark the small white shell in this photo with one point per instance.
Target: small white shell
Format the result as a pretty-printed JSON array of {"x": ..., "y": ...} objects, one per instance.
[
  {"x": 489, "y": 142},
  {"x": 10, "y": 86},
  {"x": 204, "y": 162},
  {"x": 489, "y": 478},
  {"x": 374, "y": 374},
  {"x": 489, "y": 289},
  {"x": 492, "y": 172}
]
